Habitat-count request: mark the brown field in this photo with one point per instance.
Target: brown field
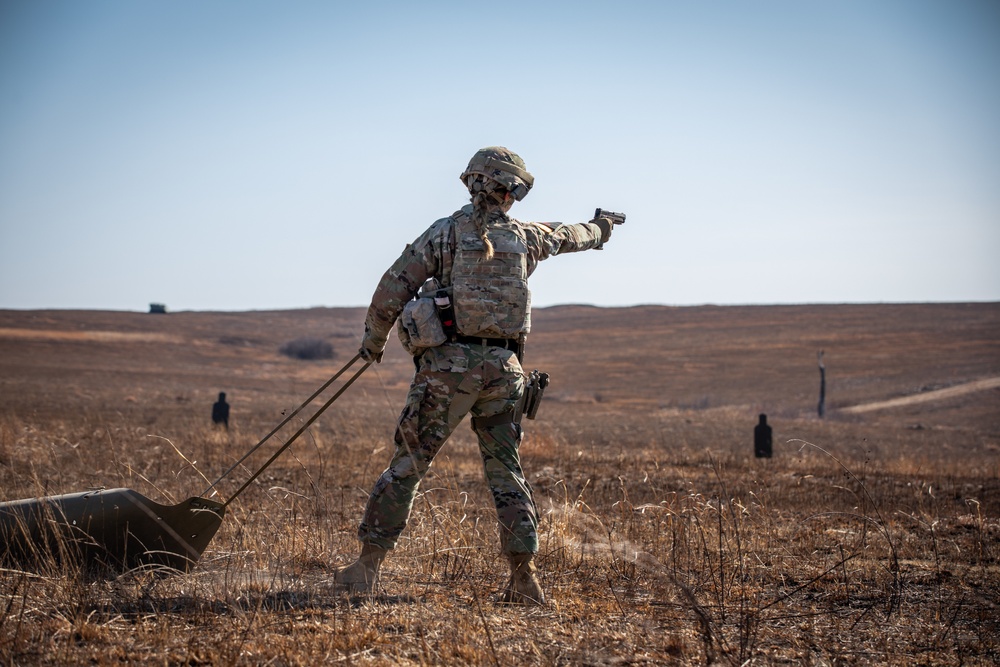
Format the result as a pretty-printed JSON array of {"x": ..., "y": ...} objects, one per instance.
[{"x": 871, "y": 537}]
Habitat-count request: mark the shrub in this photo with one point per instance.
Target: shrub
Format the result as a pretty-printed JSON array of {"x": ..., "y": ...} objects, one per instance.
[{"x": 308, "y": 349}]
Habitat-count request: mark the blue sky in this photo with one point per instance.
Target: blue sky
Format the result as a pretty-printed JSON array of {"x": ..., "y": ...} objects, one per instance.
[{"x": 260, "y": 155}]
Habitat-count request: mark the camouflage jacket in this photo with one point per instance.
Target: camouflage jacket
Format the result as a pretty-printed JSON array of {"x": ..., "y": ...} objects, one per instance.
[{"x": 432, "y": 253}]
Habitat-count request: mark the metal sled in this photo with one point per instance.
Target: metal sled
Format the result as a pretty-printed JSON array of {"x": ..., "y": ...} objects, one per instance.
[{"x": 110, "y": 531}]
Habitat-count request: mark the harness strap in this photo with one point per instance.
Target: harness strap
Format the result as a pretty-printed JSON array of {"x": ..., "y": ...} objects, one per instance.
[
  {"x": 509, "y": 417},
  {"x": 506, "y": 343}
]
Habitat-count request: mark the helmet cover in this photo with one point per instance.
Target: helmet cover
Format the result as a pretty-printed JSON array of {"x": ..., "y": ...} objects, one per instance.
[{"x": 503, "y": 166}]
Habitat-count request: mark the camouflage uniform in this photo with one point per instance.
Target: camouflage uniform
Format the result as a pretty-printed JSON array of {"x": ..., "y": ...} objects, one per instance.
[{"x": 456, "y": 379}]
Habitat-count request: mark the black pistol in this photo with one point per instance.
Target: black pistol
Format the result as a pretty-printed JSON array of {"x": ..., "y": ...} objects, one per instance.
[{"x": 614, "y": 217}]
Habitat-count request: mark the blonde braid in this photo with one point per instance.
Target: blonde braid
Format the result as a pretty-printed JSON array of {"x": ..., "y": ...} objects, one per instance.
[{"x": 487, "y": 198}]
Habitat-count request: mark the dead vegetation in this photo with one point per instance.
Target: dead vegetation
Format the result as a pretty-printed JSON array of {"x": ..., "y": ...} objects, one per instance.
[{"x": 865, "y": 540}]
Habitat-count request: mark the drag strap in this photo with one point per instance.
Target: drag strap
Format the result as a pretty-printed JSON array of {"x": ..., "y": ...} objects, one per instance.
[{"x": 301, "y": 430}]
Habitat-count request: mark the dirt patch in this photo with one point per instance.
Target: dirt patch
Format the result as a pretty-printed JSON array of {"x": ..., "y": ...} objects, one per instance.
[{"x": 96, "y": 336}]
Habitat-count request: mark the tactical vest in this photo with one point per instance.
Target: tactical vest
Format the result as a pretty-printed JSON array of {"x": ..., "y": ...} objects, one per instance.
[{"x": 491, "y": 297}]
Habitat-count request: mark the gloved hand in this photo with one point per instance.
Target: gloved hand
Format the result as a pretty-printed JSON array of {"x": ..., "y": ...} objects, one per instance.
[
  {"x": 606, "y": 227},
  {"x": 371, "y": 350}
]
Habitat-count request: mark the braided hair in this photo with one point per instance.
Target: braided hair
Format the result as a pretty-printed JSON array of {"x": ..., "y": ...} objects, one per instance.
[{"x": 488, "y": 197}]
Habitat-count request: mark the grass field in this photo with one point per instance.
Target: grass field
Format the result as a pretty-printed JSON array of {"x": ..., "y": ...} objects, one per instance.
[{"x": 871, "y": 536}]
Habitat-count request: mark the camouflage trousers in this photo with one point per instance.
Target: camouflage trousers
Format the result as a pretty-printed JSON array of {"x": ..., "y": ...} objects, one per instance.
[{"x": 452, "y": 381}]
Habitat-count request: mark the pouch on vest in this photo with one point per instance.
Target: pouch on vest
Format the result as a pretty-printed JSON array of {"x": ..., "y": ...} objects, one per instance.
[{"x": 420, "y": 324}]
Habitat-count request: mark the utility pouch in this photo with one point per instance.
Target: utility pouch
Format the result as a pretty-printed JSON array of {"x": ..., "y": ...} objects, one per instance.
[
  {"x": 425, "y": 320},
  {"x": 421, "y": 322}
]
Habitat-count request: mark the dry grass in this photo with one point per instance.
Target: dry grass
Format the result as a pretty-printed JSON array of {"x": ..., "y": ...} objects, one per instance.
[{"x": 869, "y": 540}]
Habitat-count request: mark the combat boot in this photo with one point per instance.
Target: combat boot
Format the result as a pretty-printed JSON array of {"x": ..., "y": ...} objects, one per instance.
[
  {"x": 523, "y": 587},
  {"x": 361, "y": 576}
]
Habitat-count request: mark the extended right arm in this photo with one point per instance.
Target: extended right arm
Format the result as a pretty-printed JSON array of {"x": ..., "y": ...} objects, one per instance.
[{"x": 547, "y": 239}]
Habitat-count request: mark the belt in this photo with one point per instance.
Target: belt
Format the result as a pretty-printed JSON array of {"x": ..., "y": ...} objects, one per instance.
[{"x": 506, "y": 343}]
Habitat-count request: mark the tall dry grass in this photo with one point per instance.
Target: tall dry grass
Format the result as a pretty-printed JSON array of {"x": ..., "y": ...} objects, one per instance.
[{"x": 663, "y": 542}]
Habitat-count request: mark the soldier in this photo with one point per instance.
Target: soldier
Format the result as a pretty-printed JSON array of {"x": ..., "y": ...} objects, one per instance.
[{"x": 480, "y": 259}]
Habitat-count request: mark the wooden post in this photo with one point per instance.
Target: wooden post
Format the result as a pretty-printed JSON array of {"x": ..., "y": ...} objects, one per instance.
[{"x": 821, "y": 409}]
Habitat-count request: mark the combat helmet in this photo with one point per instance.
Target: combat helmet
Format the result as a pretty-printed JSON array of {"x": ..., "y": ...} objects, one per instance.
[{"x": 503, "y": 166}]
